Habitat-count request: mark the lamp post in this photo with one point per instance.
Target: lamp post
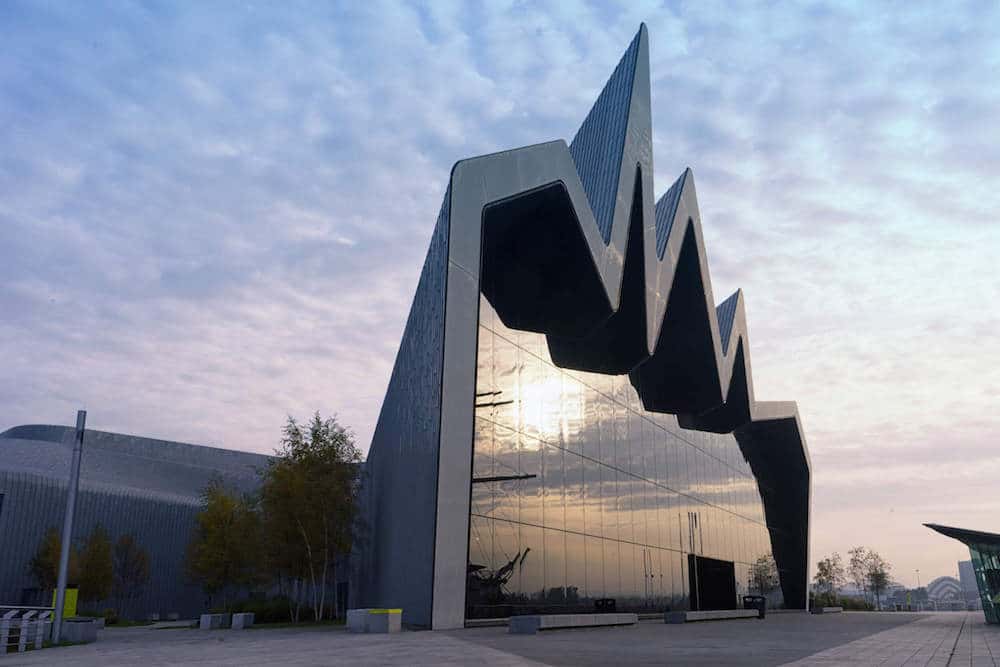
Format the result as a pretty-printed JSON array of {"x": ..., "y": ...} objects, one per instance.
[{"x": 67, "y": 534}]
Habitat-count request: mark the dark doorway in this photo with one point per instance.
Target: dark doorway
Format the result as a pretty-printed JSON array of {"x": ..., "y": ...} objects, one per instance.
[{"x": 712, "y": 582}]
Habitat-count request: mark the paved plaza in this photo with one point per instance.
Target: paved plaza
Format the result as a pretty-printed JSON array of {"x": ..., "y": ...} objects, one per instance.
[{"x": 782, "y": 639}]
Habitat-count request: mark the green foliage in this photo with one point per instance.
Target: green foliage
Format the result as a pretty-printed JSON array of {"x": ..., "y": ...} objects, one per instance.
[
  {"x": 292, "y": 536},
  {"x": 764, "y": 575},
  {"x": 307, "y": 502},
  {"x": 96, "y": 575},
  {"x": 44, "y": 565},
  {"x": 223, "y": 552},
  {"x": 853, "y": 604},
  {"x": 857, "y": 568},
  {"x": 830, "y": 575},
  {"x": 271, "y": 610},
  {"x": 131, "y": 569},
  {"x": 870, "y": 572},
  {"x": 848, "y": 603}
]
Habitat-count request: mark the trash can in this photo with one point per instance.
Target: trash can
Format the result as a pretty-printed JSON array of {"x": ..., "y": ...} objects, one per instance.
[
  {"x": 758, "y": 602},
  {"x": 604, "y": 605}
]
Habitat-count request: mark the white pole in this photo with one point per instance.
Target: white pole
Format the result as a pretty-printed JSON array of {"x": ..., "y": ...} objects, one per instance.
[{"x": 67, "y": 534}]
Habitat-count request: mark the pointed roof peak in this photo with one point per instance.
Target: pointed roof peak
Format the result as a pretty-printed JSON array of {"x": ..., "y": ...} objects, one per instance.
[{"x": 598, "y": 144}]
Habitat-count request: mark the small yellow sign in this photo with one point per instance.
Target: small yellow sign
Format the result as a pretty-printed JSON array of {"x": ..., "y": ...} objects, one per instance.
[{"x": 69, "y": 602}]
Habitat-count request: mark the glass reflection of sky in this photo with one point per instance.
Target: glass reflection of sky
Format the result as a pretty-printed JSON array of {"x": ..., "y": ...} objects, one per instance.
[{"x": 606, "y": 498}]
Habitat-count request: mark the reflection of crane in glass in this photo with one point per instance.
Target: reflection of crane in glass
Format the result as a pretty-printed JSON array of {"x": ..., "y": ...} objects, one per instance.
[
  {"x": 490, "y": 403},
  {"x": 488, "y": 586}
]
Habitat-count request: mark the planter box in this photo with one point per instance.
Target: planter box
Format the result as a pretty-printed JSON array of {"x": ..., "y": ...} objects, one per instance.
[
  {"x": 716, "y": 615},
  {"x": 529, "y": 625},
  {"x": 375, "y": 620},
  {"x": 79, "y": 630},
  {"x": 827, "y": 610},
  {"x": 242, "y": 621},
  {"x": 214, "y": 621}
]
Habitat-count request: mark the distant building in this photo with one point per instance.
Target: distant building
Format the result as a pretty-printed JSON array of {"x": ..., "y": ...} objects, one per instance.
[
  {"x": 944, "y": 589},
  {"x": 970, "y": 590},
  {"x": 129, "y": 485}
]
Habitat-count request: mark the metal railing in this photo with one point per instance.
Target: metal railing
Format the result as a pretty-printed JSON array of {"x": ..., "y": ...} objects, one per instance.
[{"x": 23, "y": 628}]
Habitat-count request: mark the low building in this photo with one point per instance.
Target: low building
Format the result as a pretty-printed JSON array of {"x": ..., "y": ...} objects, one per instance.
[
  {"x": 143, "y": 487},
  {"x": 985, "y": 550},
  {"x": 570, "y": 423}
]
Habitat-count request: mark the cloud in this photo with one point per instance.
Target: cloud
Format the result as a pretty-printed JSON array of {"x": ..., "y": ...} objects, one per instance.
[{"x": 214, "y": 217}]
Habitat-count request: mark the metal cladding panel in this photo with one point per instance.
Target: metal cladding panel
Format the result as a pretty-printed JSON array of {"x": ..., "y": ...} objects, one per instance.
[
  {"x": 129, "y": 485},
  {"x": 544, "y": 232},
  {"x": 174, "y": 469},
  {"x": 394, "y": 554},
  {"x": 598, "y": 144},
  {"x": 966, "y": 536},
  {"x": 34, "y": 503}
]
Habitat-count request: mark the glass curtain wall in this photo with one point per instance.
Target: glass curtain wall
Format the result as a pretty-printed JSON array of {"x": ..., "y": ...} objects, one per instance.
[
  {"x": 580, "y": 496},
  {"x": 986, "y": 565}
]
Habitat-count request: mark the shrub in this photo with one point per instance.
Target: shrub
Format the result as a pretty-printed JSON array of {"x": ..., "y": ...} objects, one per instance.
[{"x": 271, "y": 610}]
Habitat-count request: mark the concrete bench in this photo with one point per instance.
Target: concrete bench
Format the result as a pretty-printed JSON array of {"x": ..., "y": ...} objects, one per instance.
[
  {"x": 529, "y": 625},
  {"x": 827, "y": 610},
  {"x": 242, "y": 621},
  {"x": 379, "y": 621},
  {"x": 213, "y": 621},
  {"x": 79, "y": 630},
  {"x": 714, "y": 615}
]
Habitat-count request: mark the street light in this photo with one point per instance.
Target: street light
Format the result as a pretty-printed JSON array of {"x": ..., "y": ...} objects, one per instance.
[{"x": 67, "y": 534}]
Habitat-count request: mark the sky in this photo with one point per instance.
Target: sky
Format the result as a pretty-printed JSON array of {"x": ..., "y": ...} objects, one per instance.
[{"x": 213, "y": 215}]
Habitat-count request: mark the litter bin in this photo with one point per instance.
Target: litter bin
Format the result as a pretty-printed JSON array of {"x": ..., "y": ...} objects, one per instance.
[
  {"x": 604, "y": 605},
  {"x": 758, "y": 602}
]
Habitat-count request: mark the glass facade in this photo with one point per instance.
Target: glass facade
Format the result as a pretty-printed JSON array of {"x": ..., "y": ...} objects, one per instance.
[
  {"x": 579, "y": 495},
  {"x": 986, "y": 565}
]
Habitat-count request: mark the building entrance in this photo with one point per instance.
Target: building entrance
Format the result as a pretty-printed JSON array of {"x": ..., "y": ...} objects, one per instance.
[{"x": 712, "y": 582}]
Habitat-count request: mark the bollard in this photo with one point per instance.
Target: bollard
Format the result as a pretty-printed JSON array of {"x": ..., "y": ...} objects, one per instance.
[
  {"x": 22, "y": 640},
  {"x": 41, "y": 626},
  {"x": 5, "y": 624}
]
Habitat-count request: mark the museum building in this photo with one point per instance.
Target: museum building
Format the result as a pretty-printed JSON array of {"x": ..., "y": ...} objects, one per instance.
[
  {"x": 984, "y": 548},
  {"x": 570, "y": 423},
  {"x": 145, "y": 488}
]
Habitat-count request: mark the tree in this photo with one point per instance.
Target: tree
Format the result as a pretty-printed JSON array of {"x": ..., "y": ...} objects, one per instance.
[
  {"x": 764, "y": 575},
  {"x": 96, "y": 567},
  {"x": 223, "y": 552},
  {"x": 857, "y": 569},
  {"x": 131, "y": 569},
  {"x": 878, "y": 575},
  {"x": 308, "y": 505},
  {"x": 44, "y": 565},
  {"x": 870, "y": 572},
  {"x": 830, "y": 575}
]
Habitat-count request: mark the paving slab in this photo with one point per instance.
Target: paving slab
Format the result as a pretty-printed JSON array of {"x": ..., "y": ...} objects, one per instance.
[
  {"x": 798, "y": 639},
  {"x": 946, "y": 639}
]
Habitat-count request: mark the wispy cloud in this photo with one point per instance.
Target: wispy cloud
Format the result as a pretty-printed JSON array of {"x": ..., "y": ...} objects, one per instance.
[{"x": 213, "y": 217}]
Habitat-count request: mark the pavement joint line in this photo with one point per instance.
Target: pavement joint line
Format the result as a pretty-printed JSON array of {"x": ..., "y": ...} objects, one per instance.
[{"x": 957, "y": 638}]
